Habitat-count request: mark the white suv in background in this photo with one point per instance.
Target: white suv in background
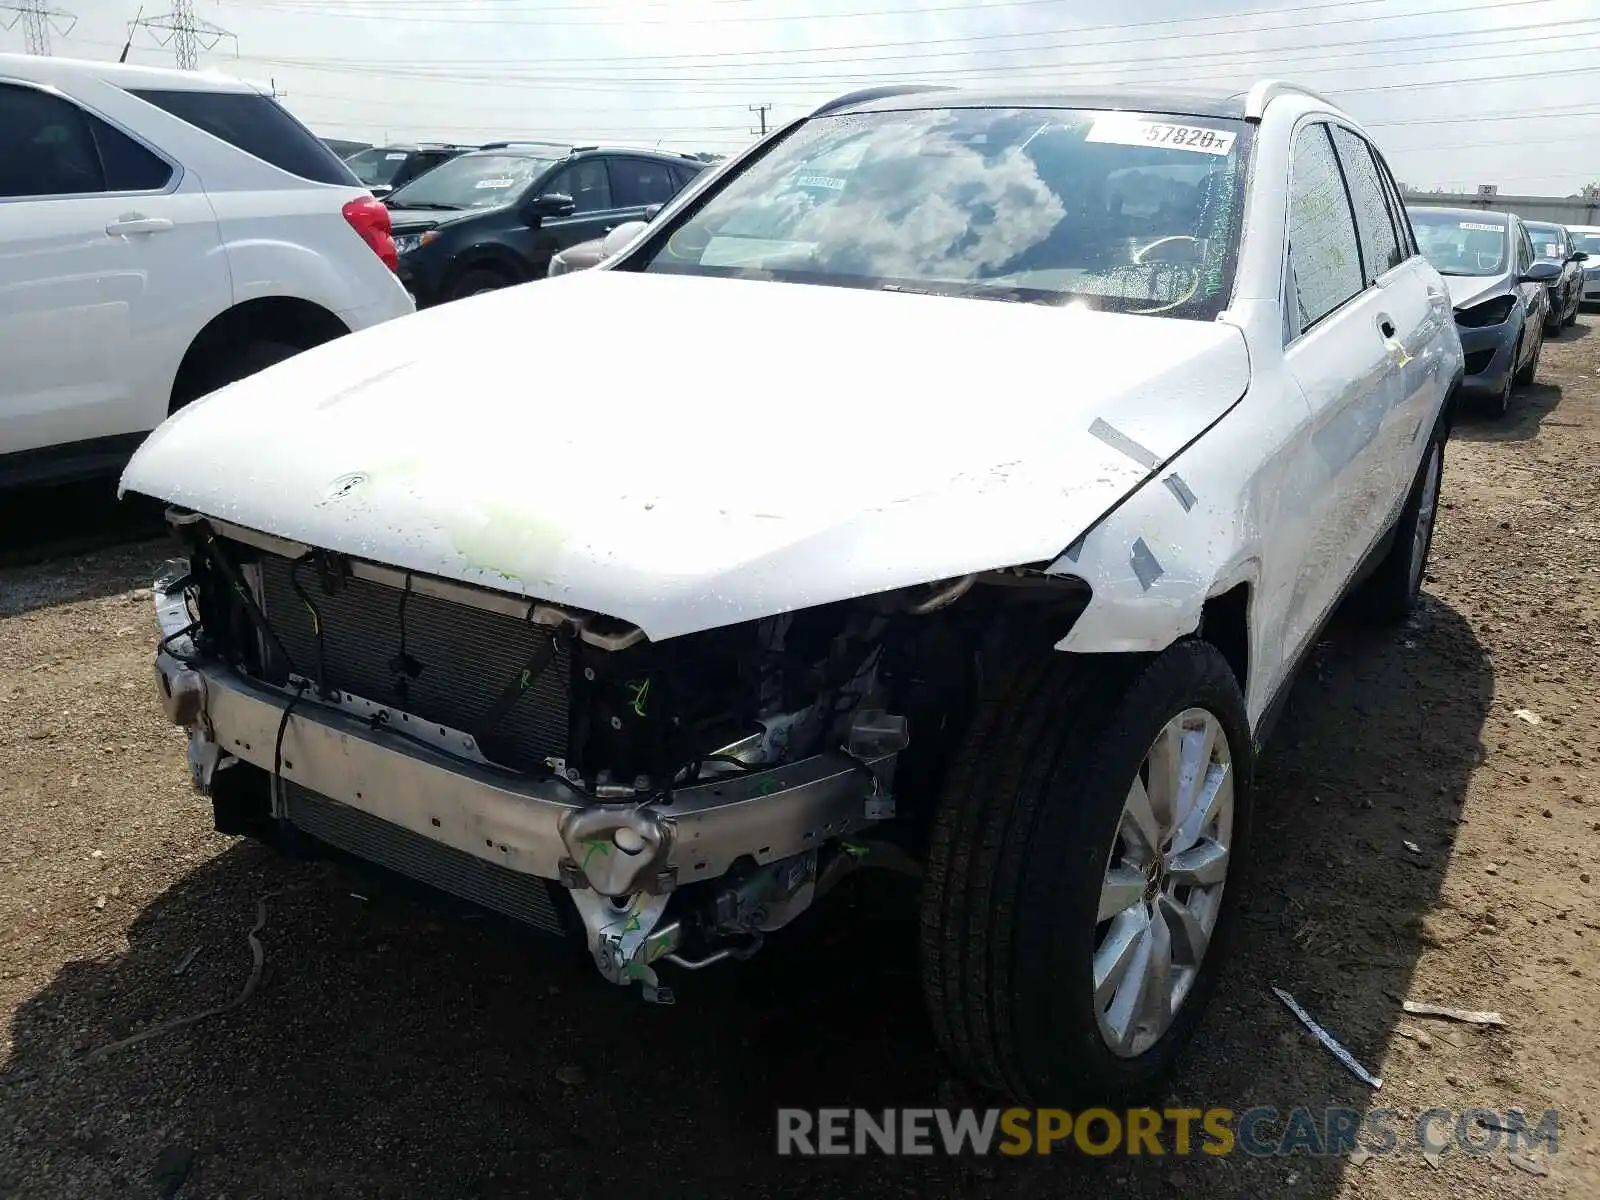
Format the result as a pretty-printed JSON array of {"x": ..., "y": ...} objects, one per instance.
[{"x": 162, "y": 233}]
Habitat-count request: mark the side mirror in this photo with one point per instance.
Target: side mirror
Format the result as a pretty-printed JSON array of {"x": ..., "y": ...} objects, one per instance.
[
  {"x": 1542, "y": 272},
  {"x": 552, "y": 204},
  {"x": 1580, "y": 256},
  {"x": 619, "y": 237}
]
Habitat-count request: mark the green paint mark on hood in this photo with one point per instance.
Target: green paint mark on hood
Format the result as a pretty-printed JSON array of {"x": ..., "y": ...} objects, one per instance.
[{"x": 511, "y": 543}]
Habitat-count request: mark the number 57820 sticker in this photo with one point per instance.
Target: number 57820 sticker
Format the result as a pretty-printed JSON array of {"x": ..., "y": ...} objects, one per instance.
[{"x": 1120, "y": 129}]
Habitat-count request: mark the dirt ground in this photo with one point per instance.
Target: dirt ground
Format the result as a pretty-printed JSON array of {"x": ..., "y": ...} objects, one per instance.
[{"x": 398, "y": 1047}]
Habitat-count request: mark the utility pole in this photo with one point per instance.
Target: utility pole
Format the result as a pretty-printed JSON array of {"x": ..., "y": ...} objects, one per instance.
[
  {"x": 37, "y": 17},
  {"x": 186, "y": 33},
  {"x": 761, "y": 110}
]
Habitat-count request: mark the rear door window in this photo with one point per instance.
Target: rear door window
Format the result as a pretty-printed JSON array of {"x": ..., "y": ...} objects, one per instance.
[
  {"x": 1324, "y": 260},
  {"x": 1397, "y": 208},
  {"x": 51, "y": 147},
  {"x": 636, "y": 182},
  {"x": 1380, "y": 246},
  {"x": 259, "y": 126},
  {"x": 129, "y": 167}
]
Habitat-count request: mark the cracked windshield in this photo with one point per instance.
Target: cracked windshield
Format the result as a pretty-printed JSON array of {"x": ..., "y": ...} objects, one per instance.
[{"x": 1118, "y": 211}]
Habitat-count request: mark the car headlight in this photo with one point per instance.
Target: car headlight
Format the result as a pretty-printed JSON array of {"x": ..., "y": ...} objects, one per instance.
[
  {"x": 1490, "y": 312},
  {"x": 405, "y": 243}
]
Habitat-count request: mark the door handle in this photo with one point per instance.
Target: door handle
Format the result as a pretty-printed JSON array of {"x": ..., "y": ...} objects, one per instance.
[{"x": 133, "y": 223}]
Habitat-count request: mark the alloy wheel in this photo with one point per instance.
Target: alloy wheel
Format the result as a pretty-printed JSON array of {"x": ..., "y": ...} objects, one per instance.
[{"x": 1162, "y": 891}]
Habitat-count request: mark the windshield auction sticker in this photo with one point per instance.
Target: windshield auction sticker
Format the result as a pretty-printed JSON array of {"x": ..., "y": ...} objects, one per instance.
[
  {"x": 1485, "y": 228},
  {"x": 1123, "y": 129}
]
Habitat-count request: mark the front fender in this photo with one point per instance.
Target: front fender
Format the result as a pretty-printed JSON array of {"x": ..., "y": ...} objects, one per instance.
[{"x": 1152, "y": 564}]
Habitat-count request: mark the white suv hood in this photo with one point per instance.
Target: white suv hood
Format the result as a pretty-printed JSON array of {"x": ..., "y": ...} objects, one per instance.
[{"x": 684, "y": 452}]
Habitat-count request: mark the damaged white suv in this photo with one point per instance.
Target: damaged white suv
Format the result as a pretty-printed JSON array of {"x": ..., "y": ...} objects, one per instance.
[{"x": 1047, "y": 431}]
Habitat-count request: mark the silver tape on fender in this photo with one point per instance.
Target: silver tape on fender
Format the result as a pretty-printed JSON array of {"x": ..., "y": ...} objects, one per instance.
[
  {"x": 1119, "y": 441},
  {"x": 1180, "y": 489},
  {"x": 1145, "y": 565}
]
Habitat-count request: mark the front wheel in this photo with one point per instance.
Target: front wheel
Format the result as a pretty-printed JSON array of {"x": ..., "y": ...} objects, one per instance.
[
  {"x": 478, "y": 281},
  {"x": 1082, "y": 872},
  {"x": 1525, "y": 376}
]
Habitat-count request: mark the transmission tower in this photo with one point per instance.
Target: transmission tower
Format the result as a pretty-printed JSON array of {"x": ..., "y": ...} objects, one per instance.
[
  {"x": 185, "y": 32},
  {"x": 37, "y": 17}
]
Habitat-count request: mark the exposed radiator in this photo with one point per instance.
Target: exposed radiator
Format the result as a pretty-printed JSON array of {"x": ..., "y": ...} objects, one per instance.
[
  {"x": 523, "y": 898},
  {"x": 467, "y": 657}
]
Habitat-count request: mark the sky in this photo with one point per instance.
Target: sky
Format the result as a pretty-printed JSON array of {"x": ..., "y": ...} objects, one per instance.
[{"x": 1456, "y": 92}]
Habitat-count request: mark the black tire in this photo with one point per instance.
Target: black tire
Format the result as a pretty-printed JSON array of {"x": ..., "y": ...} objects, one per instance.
[
  {"x": 478, "y": 280},
  {"x": 1499, "y": 405},
  {"x": 1022, "y": 835},
  {"x": 1577, "y": 303},
  {"x": 1525, "y": 375},
  {"x": 1389, "y": 595}
]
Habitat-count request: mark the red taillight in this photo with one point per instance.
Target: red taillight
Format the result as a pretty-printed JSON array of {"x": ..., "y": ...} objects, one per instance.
[{"x": 370, "y": 219}]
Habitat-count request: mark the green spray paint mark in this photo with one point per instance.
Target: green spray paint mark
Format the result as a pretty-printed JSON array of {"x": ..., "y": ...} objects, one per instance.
[
  {"x": 594, "y": 845},
  {"x": 641, "y": 692},
  {"x": 509, "y": 542}
]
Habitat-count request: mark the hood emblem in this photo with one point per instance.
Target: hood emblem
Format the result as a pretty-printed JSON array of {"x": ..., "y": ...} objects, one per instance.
[{"x": 343, "y": 486}]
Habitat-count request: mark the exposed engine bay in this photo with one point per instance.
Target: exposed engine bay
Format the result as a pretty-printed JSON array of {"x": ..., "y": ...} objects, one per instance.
[{"x": 672, "y": 802}]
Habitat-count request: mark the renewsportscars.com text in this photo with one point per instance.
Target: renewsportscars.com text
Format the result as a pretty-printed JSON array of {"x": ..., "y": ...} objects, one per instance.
[{"x": 1258, "y": 1132}]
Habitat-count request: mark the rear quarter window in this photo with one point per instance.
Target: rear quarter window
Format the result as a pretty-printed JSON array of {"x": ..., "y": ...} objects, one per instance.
[{"x": 258, "y": 125}]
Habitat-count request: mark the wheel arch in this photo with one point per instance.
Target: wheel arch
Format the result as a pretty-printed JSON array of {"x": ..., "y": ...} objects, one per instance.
[
  {"x": 1225, "y": 623},
  {"x": 286, "y": 319},
  {"x": 486, "y": 256}
]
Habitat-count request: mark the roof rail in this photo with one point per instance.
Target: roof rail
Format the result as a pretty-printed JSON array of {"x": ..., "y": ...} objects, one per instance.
[
  {"x": 880, "y": 93},
  {"x": 1263, "y": 93},
  {"x": 585, "y": 146},
  {"x": 505, "y": 145}
]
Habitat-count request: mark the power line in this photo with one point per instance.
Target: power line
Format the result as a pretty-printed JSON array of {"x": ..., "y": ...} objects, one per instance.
[
  {"x": 704, "y": 76},
  {"x": 466, "y": 71},
  {"x": 1527, "y": 114},
  {"x": 451, "y": 16},
  {"x": 961, "y": 45},
  {"x": 186, "y": 32},
  {"x": 37, "y": 18},
  {"x": 1217, "y": 73}
]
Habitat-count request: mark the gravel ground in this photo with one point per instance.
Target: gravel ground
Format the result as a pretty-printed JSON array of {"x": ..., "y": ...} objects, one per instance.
[{"x": 399, "y": 1047}]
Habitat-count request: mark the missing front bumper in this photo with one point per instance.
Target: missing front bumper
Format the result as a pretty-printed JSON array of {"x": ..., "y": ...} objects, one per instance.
[{"x": 533, "y": 826}]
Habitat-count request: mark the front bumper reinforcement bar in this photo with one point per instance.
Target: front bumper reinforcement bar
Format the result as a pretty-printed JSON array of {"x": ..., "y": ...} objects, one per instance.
[{"x": 537, "y": 826}]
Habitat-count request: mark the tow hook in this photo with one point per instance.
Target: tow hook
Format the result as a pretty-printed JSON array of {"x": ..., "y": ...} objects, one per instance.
[{"x": 624, "y": 939}]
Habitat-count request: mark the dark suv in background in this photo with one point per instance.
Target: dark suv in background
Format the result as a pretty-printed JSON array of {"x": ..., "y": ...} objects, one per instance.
[
  {"x": 385, "y": 168},
  {"x": 1552, "y": 244},
  {"x": 496, "y": 216}
]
